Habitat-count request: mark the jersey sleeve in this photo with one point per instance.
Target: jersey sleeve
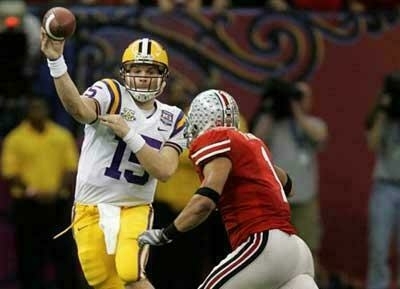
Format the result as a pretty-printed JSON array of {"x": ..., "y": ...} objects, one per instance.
[
  {"x": 212, "y": 144},
  {"x": 177, "y": 139},
  {"x": 107, "y": 95}
]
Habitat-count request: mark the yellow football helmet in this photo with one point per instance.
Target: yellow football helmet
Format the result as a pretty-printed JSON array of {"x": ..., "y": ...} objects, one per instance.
[{"x": 142, "y": 84}]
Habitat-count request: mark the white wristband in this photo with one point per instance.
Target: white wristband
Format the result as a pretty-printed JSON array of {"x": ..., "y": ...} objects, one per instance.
[
  {"x": 134, "y": 141},
  {"x": 57, "y": 67}
]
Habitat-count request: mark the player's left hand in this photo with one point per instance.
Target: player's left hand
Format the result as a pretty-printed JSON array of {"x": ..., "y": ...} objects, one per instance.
[
  {"x": 116, "y": 123},
  {"x": 154, "y": 237}
]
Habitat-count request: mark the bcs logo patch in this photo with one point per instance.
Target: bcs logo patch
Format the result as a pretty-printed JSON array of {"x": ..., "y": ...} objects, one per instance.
[{"x": 166, "y": 117}]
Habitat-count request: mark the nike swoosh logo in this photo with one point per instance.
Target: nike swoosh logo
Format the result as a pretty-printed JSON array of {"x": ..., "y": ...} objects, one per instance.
[
  {"x": 161, "y": 129},
  {"x": 83, "y": 227}
]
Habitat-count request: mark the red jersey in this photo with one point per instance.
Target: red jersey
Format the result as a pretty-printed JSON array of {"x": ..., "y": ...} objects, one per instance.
[{"x": 253, "y": 199}]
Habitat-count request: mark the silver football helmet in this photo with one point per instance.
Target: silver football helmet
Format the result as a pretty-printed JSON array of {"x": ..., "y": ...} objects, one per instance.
[{"x": 211, "y": 108}]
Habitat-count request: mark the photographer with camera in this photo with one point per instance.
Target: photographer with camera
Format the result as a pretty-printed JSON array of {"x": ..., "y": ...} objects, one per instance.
[
  {"x": 383, "y": 138},
  {"x": 295, "y": 136}
]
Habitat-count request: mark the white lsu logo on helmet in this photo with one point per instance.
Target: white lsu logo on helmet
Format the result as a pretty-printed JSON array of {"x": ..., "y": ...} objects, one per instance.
[{"x": 211, "y": 108}]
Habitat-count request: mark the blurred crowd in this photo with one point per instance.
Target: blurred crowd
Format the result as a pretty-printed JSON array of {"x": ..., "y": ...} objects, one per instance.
[{"x": 316, "y": 5}]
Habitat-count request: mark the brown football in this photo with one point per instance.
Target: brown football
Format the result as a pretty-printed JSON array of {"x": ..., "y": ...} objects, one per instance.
[{"x": 59, "y": 23}]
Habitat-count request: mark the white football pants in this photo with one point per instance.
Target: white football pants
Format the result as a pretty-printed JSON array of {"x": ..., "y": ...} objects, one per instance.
[{"x": 266, "y": 260}]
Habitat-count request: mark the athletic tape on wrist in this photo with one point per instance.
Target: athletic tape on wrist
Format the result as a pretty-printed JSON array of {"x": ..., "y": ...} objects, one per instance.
[
  {"x": 134, "y": 141},
  {"x": 57, "y": 67}
]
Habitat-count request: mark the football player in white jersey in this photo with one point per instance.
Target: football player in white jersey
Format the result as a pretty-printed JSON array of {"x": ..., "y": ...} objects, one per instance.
[{"x": 131, "y": 141}]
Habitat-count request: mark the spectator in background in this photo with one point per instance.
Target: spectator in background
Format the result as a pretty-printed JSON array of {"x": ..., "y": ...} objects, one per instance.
[
  {"x": 383, "y": 137},
  {"x": 19, "y": 55},
  {"x": 39, "y": 160},
  {"x": 15, "y": 18},
  {"x": 295, "y": 136}
]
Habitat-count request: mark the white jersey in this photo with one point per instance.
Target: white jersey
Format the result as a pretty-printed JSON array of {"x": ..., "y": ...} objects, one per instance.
[{"x": 108, "y": 171}]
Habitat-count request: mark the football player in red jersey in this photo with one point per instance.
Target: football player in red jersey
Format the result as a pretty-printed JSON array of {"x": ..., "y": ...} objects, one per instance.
[{"x": 240, "y": 180}]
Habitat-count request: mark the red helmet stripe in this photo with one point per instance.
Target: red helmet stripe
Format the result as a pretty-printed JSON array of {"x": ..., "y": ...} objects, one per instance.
[{"x": 224, "y": 97}]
